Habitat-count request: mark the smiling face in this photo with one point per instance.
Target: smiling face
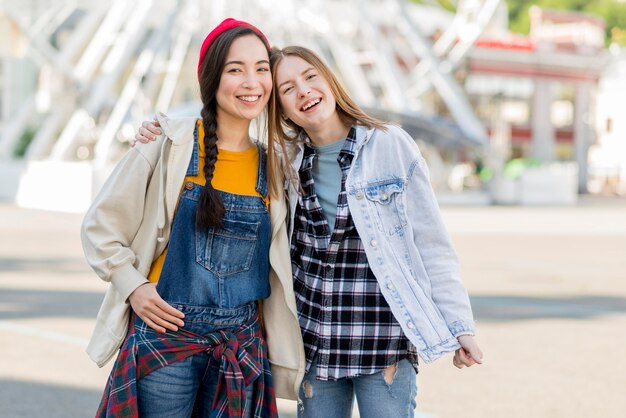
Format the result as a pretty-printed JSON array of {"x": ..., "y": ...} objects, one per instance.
[
  {"x": 305, "y": 96},
  {"x": 245, "y": 83}
]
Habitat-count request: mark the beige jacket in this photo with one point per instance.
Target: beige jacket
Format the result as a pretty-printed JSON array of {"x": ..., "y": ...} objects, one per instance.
[{"x": 128, "y": 227}]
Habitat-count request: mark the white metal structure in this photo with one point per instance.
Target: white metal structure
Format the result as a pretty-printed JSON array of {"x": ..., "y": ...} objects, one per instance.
[
  {"x": 106, "y": 64},
  {"x": 111, "y": 51}
]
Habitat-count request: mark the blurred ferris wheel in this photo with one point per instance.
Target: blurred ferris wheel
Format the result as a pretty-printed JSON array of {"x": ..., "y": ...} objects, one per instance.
[{"x": 102, "y": 66}]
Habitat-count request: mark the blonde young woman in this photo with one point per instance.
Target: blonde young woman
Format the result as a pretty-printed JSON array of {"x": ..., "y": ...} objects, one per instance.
[
  {"x": 375, "y": 276},
  {"x": 183, "y": 232}
]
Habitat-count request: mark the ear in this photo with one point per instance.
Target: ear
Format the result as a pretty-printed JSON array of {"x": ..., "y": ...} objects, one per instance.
[{"x": 282, "y": 115}]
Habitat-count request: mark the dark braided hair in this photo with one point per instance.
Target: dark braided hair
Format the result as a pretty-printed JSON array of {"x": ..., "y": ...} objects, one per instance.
[{"x": 210, "y": 212}]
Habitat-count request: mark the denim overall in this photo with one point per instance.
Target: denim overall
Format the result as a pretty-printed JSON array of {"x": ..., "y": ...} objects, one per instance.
[{"x": 215, "y": 278}]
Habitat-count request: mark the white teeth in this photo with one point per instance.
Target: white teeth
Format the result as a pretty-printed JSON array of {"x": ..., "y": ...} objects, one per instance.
[
  {"x": 311, "y": 104},
  {"x": 249, "y": 98}
]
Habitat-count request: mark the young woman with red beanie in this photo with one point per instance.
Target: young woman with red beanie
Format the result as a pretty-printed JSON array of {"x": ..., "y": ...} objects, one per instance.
[
  {"x": 375, "y": 275},
  {"x": 183, "y": 232}
]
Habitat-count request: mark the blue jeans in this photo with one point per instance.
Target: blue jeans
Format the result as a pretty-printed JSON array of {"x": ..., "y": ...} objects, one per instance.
[
  {"x": 215, "y": 277},
  {"x": 182, "y": 389},
  {"x": 187, "y": 388},
  {"x": 376, "y": 398}
]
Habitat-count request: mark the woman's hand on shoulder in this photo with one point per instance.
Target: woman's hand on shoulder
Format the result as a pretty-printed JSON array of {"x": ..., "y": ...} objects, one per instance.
[
  {"x": 469, "y": 353},
  {"x": 148, "y": 131},
  {"x": 153, "y": 310}
]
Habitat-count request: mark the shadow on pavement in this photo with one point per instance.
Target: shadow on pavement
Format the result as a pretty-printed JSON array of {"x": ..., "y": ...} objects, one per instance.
[
  {"x": 28, "y": 399},
  {"x": 512, "y": 308},
  {"x": 43, "y": 265},
  {"x": 27, "y": 303}
]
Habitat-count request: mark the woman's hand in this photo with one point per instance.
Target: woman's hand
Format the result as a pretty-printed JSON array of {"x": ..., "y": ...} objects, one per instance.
[
  {"x": 148, "y": 131},
  {"x": 469, "y": 353},
  {"x": 154, "y": 311}
]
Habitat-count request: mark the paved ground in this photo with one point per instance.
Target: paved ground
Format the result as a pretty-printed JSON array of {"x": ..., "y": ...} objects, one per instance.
[{"x": 548, "y": 286}]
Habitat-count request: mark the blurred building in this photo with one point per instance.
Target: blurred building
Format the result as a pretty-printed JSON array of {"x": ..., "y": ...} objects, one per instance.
[{"x": 542, "y": 86}]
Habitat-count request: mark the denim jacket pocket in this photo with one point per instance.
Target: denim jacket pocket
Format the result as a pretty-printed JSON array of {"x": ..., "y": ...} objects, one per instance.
[
  {"x": 228, "y": 250},
  {"x": 386, "y": 196}
]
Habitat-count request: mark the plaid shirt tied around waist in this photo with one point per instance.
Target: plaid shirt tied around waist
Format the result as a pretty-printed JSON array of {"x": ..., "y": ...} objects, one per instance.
[
  {"x": 347, "y": 325},
  {"x": 242, "y": 357}
]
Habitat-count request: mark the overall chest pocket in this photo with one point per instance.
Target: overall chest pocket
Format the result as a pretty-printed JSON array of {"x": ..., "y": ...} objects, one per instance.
[
  {"x": 228, "y": 250},
  {"x": 386, "y": 196}
]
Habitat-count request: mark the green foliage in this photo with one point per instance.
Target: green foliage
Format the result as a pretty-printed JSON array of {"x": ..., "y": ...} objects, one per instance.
[
  {"x": 446, "y": 4},
  {"x": 614, "y": 14},
  {"x": 22, "y": 144},
  {"x": 612, "y": 11}
]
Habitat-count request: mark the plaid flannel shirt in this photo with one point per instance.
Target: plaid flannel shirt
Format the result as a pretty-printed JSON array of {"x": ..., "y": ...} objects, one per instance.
[
  {"x": 345, "y": 320},
  {"x": 242, "y": 357}
]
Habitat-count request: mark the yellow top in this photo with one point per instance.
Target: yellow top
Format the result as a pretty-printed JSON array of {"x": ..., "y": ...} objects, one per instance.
[{"x": 235, "y": 172}]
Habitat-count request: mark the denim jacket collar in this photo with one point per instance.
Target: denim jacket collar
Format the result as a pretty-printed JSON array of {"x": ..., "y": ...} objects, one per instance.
[{"x": 363, "y": 135}]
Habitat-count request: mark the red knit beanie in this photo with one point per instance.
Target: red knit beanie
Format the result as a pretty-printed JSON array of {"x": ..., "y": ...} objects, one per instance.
[{"x": 226, "y": 24}]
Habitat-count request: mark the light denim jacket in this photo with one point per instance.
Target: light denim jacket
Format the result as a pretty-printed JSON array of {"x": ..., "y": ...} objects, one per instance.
[{"x": 407, "y": 246}]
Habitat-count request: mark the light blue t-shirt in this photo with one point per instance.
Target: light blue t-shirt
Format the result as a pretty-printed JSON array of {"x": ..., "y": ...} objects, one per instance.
[{"x": 327, "y": 178}]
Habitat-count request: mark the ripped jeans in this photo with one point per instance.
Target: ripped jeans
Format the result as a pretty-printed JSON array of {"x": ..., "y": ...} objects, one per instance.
[{"x": 375, "y": 395}]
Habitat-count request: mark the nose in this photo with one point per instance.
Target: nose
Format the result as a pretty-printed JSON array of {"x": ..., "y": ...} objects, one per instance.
[
  {"x": 251, "y": 81},
  {"x": 303, "y": 91}
]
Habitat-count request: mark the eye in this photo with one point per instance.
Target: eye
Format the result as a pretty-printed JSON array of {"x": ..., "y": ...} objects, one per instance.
[
  {"x": 263, "y": 69},
  {"x": 287, "y": 90},
  {"x": 234, "y": 70},
  {"x": 310, "y": 76}
]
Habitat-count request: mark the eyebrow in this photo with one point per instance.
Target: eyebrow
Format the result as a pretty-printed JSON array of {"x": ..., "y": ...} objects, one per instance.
[
  {"x": 243, "y": 63},
  {"x": 302, "y": 73}
]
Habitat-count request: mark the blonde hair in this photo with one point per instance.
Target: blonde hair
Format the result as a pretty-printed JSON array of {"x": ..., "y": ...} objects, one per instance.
[{"x": 350, "y": 113}]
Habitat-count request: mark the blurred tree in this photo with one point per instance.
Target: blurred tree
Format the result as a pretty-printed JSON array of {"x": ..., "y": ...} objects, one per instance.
[
  {"x": 614, "y": 14},
  {"x": 612, "y": 11},
  {"x": 25, "y": 139}
]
